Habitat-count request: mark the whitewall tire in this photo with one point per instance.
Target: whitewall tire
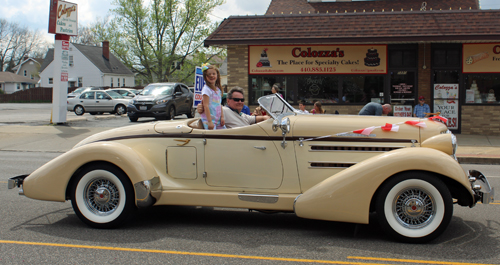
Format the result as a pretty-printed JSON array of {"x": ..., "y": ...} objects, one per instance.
[
  {"x": 102, "y": 196},
  {"x": 414, "y": 207}
]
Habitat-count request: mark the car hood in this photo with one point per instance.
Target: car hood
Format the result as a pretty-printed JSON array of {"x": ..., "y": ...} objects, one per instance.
[
  {"x": 310, "y": 126},
  {"x": 148, "y": 97},
  {"x": 137, "y": 131}
]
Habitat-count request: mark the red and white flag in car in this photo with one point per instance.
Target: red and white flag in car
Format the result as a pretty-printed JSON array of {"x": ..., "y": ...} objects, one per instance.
[
  {"x": 416, "y": 123},
  {"x": 365, "y": 131},
  {"x": 390, "y": 127}
]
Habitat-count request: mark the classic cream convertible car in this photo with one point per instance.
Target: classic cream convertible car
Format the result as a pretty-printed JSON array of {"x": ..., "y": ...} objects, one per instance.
[{"x": 327, "y": 167}]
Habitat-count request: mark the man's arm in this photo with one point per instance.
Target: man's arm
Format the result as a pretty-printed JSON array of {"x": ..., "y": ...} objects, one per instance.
[{"x": 261, "y": 118}]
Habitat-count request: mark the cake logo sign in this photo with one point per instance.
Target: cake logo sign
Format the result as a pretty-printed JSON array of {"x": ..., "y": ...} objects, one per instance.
[
  {"x": 372, "y": 59},
  {"x": 264, "y": 60}
]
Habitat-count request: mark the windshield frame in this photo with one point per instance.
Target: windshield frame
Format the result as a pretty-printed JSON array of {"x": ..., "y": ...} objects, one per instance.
[{"x": 267, "y": 102}]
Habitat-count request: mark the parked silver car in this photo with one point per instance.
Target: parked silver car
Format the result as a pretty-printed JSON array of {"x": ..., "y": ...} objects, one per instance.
[
  {"x": 80, "y": 90},
  {"x": 95, "y": 102}
]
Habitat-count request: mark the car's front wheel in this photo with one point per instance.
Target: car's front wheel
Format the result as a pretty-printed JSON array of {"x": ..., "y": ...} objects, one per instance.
[
  {"x": 79, "y": 110},
  {"x": 102, "y": 196},
  {"x": 192, "y": 113},
  {"x": 414, "y": 207},
  {"x": 171, "y": 113},
  {"x": 133, "y": 119},
  {"x": 120, "y": 109}
]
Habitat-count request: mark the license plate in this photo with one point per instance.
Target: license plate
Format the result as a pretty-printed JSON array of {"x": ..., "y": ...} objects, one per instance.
[{"x": 143, "y": 107}]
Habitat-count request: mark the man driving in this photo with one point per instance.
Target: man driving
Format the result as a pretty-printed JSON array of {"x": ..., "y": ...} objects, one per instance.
[{"x": 232, "y": 112}]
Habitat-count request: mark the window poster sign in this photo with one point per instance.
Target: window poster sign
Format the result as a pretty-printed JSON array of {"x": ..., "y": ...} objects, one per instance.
[
  {"x": 317, "y": 59},
  {"x": 446, "y": 102},
  {"x": 402, "y": 111},
  {"x": 481, "y": 58},
  {"x": 63, "y": 18}
]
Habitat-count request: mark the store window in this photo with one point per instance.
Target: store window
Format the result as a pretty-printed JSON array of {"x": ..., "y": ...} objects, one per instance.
[
  {"x": 328, "y": 89},
  {"x": 80, "y": 81},
  {"x": 51, "y": 81},
  {"x": 482, "y": 89}
]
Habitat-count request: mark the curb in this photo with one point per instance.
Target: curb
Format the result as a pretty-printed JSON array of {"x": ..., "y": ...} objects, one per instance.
[{"x": 478, "y": 160}]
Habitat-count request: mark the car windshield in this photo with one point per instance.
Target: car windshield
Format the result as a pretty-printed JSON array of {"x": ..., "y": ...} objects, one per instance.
[
  {"x": 156, "y": 90},
  {"x": 275, "y": 105},
  {"x": 79, "y": 90},
  {"x": 114, "y": 94}
]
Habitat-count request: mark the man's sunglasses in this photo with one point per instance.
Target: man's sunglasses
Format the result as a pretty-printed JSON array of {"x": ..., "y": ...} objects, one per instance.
[{"x": 238, "y": 99}]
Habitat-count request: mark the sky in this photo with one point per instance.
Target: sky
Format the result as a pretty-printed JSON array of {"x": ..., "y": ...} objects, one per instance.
[{"x": 34, "y": 14}]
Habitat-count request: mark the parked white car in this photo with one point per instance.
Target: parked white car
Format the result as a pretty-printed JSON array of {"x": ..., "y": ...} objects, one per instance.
[
  {"x": 126, "y": 92},
  {"x": 80, "y": 90},
  {"x": 95, "y": 102}
]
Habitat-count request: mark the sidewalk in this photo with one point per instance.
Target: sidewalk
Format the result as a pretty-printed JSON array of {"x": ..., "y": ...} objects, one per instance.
[{"x": 478, "y": 149}]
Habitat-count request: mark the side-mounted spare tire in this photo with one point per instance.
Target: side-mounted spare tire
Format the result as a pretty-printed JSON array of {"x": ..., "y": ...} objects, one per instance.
[
  {"x": 102, "y": 196},
  {"x": 414, "y": 207}
]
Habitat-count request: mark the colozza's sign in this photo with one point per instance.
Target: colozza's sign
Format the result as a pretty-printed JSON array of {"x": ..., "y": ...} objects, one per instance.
[
  {"x": 317, "y": 59},
  {"x": 63, "y": 18},
  {"x": 481, "y": 58}
]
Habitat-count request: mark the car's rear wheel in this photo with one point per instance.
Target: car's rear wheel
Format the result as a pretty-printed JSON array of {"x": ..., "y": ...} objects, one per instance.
[
  {"x": 102, "y": 196},
  {"x": 93, "y": 113},
  {"x": 171, "y": 113},
  {"x": 414, "y": 207},
  {"x": 79, "y": 110},
  {"x": 120, "y": 109},
  {"x": 133, "y": 119}
]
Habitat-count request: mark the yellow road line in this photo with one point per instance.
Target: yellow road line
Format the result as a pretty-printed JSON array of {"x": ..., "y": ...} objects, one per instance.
[
  {"x": 3, "y": 181},
  {"x": 186, "y": 253},
  {"x": 417, "y": 261}
]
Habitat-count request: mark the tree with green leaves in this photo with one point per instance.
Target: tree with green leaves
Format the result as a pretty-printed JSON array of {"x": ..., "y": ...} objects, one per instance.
[{"x": 162, "y": 40}]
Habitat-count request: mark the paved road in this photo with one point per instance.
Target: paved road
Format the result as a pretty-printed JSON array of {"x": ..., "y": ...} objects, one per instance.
[{"x": 39, "y": 232}]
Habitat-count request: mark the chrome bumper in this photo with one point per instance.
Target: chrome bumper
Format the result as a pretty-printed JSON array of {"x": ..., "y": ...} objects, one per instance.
[
  {"x": 483, "y": 192},
  {"x": 17, "y": 182}
]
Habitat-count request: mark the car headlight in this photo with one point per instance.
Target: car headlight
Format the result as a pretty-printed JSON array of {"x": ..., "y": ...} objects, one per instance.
[
  {"x": 162, "y": 101},
  {"x": 446, "y": 143}
]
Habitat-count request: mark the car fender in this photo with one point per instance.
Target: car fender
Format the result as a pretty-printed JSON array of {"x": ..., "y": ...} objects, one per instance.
[
  {"x": 50, "y": 181},
  {"x": 346, "y": 196}
]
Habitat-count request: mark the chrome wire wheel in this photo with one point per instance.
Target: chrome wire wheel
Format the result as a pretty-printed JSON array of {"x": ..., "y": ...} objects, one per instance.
[
  {"x": 101, "y": 196},
  {"x": 414, "y": 208}
]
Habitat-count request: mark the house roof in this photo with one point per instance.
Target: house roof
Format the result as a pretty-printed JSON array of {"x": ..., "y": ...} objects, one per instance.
[
  {"x": 94, "y": 54},
  {"x": 36, "y": 60},
  {"x": 8, "y": 77},
  {"x": 49, "y": 57},
  {"x": 112, "y": 66},
  {"x": 305, "y": 6},
  {"x": 360, "y": 27}
]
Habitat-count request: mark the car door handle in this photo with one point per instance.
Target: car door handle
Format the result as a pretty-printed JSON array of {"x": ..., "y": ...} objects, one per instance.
[{"x": 260, "y": 147}]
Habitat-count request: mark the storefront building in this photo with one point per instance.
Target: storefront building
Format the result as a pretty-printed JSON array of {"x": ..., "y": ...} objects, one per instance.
[{"x": 345, "y": 54}]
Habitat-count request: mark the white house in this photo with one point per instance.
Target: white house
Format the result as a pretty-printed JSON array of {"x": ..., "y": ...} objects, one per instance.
[
  {"x": 29, "y": 67},
  {"x": 89, "y": 66},
  {"x": 10, "y": 82}
]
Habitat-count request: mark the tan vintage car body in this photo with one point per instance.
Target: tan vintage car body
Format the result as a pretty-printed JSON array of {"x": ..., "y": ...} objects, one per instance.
[{"x": 318, "y": 169}]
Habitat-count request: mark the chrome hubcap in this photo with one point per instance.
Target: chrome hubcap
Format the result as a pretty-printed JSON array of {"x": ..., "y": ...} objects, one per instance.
[
  {"x": 101, "y": 196},
  {"x": 414, "y": 208}
]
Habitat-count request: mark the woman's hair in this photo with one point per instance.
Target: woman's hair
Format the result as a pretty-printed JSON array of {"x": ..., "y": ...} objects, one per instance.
[
  {"x": 217, "y": 82},
  {"x": 277, "y": 87},
  {"x": 318, "y": 105}
]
